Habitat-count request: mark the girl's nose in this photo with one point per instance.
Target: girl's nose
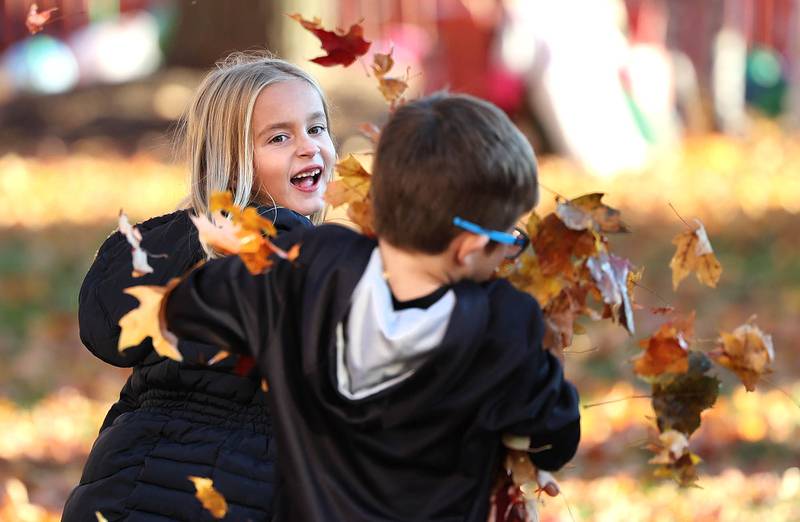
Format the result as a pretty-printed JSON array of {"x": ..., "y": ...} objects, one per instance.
[{"x": 307, "y": 146}]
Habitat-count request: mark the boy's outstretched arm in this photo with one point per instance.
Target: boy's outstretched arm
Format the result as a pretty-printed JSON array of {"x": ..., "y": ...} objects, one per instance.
[{"x": 220, "y": 303}]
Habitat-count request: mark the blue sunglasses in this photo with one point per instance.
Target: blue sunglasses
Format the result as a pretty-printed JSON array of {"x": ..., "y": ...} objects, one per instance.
[{"x": 518, "y": 238}]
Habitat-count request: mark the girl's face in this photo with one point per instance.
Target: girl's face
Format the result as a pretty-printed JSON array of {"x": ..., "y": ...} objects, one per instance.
[{"x": 294, "y": 153}]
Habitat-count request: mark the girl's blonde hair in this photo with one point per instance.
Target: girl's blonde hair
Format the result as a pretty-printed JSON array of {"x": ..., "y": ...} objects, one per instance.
[{"x": 216, "y": 130}]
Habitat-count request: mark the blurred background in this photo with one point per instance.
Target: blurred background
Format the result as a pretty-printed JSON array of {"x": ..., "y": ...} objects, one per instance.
[{"x": 693, "y": 103}]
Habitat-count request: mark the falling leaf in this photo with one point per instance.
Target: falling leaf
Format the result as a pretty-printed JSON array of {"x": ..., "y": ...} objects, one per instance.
[
  {"x": 674, "y": 458},
  {"x": 587, "y": 212},
  {"x": 100, "y": 517},
  {"x": 37, "y": 19},
  {"x": 747, "y": 351},
  {"x": 220, "y": 356},
  {"x": 662, "y": 310},
  {"x": 146, "y": 320},
  {"x": 211, "y": 499},
  {"x": 694, "y": 254},
  {"x": 559, "y": 249},
  {"x": 560, "y": 316},
  {"x": 610, "y": 274},
  {"x": 678, "y": 400},
  {"x": 293, "y": 253},
  {"x": 342, "y": 48},
  {"x": 526, "y": 275},
  {"x": 667, "y": 351},
  {"x": 219, "y": 232},
  {"x": 264, "y": 385},
  {"x": 134, "y": 237},
  {"x": 371, "y": 131}
]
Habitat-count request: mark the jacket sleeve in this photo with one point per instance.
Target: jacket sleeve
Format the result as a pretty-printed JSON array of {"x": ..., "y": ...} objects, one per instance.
[
  {"x": 537, "y": 401},
  {"x": 222, "y": 304},
  {"x": 102, "y": 301}
]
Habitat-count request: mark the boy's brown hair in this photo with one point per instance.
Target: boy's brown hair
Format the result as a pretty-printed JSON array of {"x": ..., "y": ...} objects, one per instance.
[{"x": 449, "y": 155}]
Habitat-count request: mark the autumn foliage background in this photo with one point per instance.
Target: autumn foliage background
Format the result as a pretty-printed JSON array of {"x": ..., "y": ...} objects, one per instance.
[{"x": 69, "y": 161}]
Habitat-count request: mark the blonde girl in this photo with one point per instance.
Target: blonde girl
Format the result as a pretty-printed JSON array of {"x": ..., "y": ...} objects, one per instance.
[{"x": 259, "y": 127}]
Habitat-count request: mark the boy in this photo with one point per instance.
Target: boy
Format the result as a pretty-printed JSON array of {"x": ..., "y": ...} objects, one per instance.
[{"x": 393, "y": 371}]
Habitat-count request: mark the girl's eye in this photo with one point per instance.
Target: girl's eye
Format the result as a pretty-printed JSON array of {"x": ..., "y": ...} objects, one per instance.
[
  {"x": 316, "y": 129},
  {"x": 280, "y": 138}
]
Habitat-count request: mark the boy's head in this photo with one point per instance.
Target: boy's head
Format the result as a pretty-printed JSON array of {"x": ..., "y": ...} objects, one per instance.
[{"x": 447, "y": 156}]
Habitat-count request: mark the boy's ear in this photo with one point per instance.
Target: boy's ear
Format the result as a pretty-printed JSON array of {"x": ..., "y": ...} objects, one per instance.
[{"x": 465, "y": 244}]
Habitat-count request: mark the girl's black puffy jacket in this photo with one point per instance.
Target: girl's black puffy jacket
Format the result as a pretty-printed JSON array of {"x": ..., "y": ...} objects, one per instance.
[{"x": 172, "y": 419}]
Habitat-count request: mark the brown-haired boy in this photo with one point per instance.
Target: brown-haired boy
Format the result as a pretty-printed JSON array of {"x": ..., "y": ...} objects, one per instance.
[{"x": 394, "y": 367}]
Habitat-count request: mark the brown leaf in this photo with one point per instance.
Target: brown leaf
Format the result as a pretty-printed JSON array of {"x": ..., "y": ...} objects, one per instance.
[
  {"x": 560, "y": 249},
  {"x": 211, "y": 499},
  {"x": 360, "y": 212},
  {"x": 353, "y": 184},
  {"x": 36, "y": 19},
  {"x": 694, "y": 254},
  {"x": 678, "y": 400},
  {"x": 587, "y": 212},
  {"x": 747, "y": 351},
  {"x": 526, "y": 275},
  {"x": 559, "y": 318},
  {"x": 667, "y": 351},
  {"x": 342, "y": 48},
  {"x": 146, "y": 320}
]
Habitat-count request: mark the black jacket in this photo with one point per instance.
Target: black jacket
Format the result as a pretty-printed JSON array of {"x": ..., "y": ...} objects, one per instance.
[
  {"x": 172, "y": 419},
  {"x": 422, "y": 449}
]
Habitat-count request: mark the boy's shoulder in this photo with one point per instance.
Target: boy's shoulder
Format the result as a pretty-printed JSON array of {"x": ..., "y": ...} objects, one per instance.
[{"x": 502, "y": 294}]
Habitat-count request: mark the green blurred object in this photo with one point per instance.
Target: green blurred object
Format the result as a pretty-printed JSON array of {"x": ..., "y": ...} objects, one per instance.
[{"x": 765, "y": 81}]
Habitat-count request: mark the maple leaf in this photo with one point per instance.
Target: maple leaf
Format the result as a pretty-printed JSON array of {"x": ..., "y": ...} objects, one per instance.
[
  {"x": 667, "y": 351},
  {"x": 747, "y": 351},
  {"x": 560, "y": 248},
  {"x": 526, "y": 275},
  {"x": 342, "y": 48},
  {"x": 36, "y": 19},
  {"x": 352, "y": 188},
  {"x": 610, "y": 274},
  {"x": 211, "y": 499},
  {"x": 219, "y": 232},
  {"x": 560, "y": 316},
  {"x": 679, "y": 399},
  {"x": 147, "y": 320},
  {"x": 588, "y": 212},
  {"x": 674, "y": 458},
  {"x": 392, "y": 89},
  {"x": 134, "y": 237},
  {"x": 694, "y": 254}
]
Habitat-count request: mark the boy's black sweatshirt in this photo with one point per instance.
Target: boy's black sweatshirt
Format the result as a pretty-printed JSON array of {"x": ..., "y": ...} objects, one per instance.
[{"x": 424, "y": 448}]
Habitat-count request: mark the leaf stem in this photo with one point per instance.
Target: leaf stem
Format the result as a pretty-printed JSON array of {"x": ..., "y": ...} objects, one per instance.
[
  {"x": 602, "y": 403},
  {"x": 769, "y": 381},
  {"x": 679, "y": 217}
]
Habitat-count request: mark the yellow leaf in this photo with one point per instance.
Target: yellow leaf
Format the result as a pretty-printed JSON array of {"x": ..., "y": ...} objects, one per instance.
[
  {"x": 221, "y": 355},
  {"x": 100, "y": 517},
  {"x": 694, "y": 254},
  {"x": 219, "y": 233},
  {"x": 146, "y": 320},
  {"x": 211, "y": 499}
]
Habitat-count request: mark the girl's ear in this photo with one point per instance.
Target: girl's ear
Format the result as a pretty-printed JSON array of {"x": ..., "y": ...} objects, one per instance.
[{"x": 465, "y": 245}]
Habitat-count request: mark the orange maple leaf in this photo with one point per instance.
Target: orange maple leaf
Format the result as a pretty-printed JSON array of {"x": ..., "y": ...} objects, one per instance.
[
  {"x": 747, "y": 351},
  {"x": 212, "y": 500},
  {"x": 694, "y": 253},
  {"x": 36, "y": 19},
  {"x": 342, "y": 48},
  {"x": 352, "y": 189},
  {"x": 147, "y": 320},
  {"x": 667, "y": 351},
  {"x": 557, "y": 246}
]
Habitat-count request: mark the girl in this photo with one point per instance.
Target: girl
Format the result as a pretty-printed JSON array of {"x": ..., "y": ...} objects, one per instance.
[{"x": 258, "y": 127}]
